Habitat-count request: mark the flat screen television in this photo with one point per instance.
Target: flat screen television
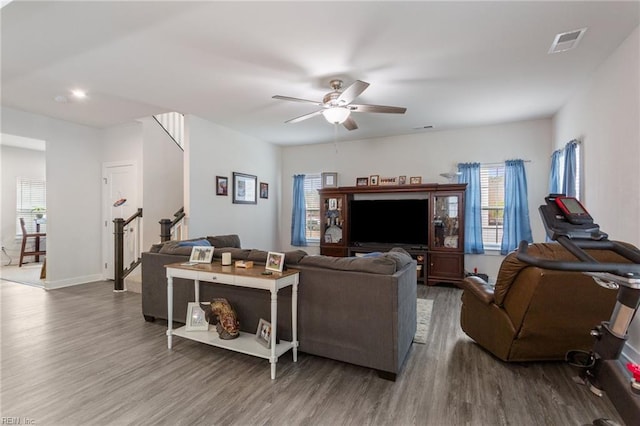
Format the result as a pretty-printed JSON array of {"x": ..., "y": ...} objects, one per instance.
[{"x": 403, "y": 222}]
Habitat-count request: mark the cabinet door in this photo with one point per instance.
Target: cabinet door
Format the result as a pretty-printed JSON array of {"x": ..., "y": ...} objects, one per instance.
[
  {"x": 446, "y": 267},
  {"x": 446, "y": 222},
  {"x": 333, "y": 224}
]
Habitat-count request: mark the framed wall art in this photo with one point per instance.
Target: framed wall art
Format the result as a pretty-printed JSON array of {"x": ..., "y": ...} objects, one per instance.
[
  {"x": 329, "y": 180},
  {"x": 222, "y": 185},
  {"x": 264, "y": 190},
  {"x": 244, "y": 188}
]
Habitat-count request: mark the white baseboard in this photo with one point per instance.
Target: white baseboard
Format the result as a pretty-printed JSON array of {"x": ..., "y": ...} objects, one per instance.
[{"x": 52, "y": 285}]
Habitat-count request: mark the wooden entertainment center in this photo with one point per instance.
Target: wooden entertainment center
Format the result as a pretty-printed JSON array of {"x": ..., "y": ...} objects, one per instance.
[{"x": 441, "y": 260}]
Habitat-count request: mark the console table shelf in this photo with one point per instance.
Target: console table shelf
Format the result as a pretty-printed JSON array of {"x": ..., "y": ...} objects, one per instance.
[{"x": 442, "y": 258}]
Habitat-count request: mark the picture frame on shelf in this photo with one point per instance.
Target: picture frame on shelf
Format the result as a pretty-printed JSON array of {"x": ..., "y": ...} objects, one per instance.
[
  {"x": 388, "y": 180},
  {"x": 415, "y": 180},
  {"x": 333, "y": 204},
  {"x": 196, "y": 318},
  {"x": 275, "y": 262},
  {"x": 362, "y": 181},
  {"x": 222, "y": 185},
  {"x": 329, "y": 180},
  {"x": 244, "y": 188},
  {"x": 201, "y": 254},
  {"x": 263, "y": 333},
  {"x": 373, "y": 180},
  {"x": 402, "y": 180},
  {"x": 264, "y": 190}
]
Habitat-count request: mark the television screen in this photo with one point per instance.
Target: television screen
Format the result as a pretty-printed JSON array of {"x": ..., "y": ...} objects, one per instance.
[{"x": 402, "y": 221}]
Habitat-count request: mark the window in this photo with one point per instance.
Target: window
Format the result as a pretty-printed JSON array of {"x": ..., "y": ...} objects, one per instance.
[
  {"x": 312, "y": 183},
  {"x": 492, "y": 201},
  {"x": 30, "y": 194},
  {"x": 561, "y": 176}
]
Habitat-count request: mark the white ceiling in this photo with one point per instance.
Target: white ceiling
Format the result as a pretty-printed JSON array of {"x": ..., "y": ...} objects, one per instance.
[{"x": 452, "y": 64}]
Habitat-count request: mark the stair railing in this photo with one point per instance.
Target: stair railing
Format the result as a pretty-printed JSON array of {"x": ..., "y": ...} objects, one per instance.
[
  {"x": 172, "y": 229},
  {"x": 120, "y": 272}
]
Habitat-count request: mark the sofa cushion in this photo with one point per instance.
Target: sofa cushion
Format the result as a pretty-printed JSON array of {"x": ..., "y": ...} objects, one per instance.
[
  {"x": 374, "y": 265},
  {"x": 177, "y": 247},
  {"x": 400, "y": 256},
  {"x": 232, "y": 240},
  {"x": 294, "y": 257},
  {"x": 258, "y": 256},
  {"x": 236, "y": 253}
]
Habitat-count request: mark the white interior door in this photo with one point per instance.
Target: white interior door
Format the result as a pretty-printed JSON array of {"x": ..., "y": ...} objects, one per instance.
[{"x": 119, "y": 199}]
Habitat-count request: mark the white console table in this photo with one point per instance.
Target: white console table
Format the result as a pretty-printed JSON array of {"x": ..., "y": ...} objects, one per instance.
[{"x": 253, "y": 278}]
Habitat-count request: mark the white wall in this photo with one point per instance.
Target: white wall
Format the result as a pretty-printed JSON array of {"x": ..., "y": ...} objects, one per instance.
[
  {"x": 162, "y": 180},
  {"x": 73, "y": 157},
  {"x": 212, "y": 150},
  {"x": 604, "y": 114},
  {"x": 16, "y": 162},
  {"x": 427, "y": 155}
]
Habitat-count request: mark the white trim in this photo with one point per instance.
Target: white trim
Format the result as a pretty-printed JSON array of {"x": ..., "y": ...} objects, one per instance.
[{"x": 68, "y": 282}]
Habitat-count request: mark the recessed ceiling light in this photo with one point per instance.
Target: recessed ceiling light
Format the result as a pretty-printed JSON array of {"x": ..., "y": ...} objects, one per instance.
[{"x": 80, "y": 94}]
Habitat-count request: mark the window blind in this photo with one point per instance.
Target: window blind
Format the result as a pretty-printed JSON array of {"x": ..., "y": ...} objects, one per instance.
[{"x": 30, "y": 194}]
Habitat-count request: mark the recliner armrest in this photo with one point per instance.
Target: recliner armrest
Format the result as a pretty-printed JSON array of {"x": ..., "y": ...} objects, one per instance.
[{"x": 479, "y": 287}]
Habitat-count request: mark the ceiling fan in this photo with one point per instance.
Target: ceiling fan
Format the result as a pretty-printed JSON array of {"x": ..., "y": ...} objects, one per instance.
[{"x": 337, "y": 106}]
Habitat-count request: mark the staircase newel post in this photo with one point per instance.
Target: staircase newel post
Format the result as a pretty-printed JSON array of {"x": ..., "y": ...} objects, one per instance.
[
  {"x": 165, "y": 230},
  {"x": 118, "y": 260}
]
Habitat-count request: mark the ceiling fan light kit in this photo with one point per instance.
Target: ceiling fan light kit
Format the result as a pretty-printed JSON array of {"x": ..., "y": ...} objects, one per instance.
[
  {"x": 336, "y": 115},
  {"x": 337, "y": 105}
]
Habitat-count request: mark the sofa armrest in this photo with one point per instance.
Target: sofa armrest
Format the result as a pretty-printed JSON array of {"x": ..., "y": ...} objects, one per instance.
[{"x": 479, "y": 288}]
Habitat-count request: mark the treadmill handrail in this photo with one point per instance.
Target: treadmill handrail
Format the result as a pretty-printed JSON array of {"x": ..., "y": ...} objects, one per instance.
[{"x": 621, "y": 269}]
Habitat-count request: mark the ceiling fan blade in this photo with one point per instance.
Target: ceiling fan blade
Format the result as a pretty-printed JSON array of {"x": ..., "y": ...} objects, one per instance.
[
  {"x": 288, "y": 98},
  {"x": 350, "y": 93},
  {"x": 350, "y": 124},
  {"x": 304, "y": 117},
  {"x": 378, "y": 108}
]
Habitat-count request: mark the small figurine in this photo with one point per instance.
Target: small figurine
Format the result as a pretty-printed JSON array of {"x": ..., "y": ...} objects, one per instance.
[{"x": 227, "y": 323}]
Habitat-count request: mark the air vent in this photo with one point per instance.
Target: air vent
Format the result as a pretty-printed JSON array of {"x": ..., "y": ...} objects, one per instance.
[{"x": 567, "y": 41}]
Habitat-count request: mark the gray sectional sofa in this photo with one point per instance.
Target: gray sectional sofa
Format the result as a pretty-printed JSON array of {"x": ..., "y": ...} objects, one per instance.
[{"x": 356, "y": 310}]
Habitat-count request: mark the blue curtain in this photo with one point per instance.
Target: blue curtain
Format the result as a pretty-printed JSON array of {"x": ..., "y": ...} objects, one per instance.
[
  {"x": 516, "y": 207},
  {"x": 298, "y": 213},
  {"x": 473, "y": 210},
  {"x": 555, "y": 182},
  {"x": 570, "y": 170}
]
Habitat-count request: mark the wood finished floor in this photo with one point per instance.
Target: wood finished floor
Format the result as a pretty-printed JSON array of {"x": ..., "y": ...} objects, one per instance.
[{"x": 84, "y": 356}]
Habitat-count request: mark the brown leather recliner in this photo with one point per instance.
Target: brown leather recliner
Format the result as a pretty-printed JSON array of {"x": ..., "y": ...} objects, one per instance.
[{"x": 536, "y": 314}]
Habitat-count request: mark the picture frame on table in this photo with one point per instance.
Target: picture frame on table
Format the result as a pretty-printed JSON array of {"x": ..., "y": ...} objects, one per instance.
[
  {"x": 244, "y": 188},
  {"x": 263, "y": 333},
  {"x": 201, "y": 254},
  {"x": 329, "y": 180},
  {"x": 222, "y": 185},
  {"x": 275, "y": 262},
  {"x": 362, "y": 181},
  {"x": 196, "y": 318},
  {"x": 264, "y": 190}
]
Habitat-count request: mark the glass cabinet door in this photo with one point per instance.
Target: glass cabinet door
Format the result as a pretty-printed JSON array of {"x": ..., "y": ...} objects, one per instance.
[
  {"x": 446, "y": 221},
  {"x": 333, "y": 220}
]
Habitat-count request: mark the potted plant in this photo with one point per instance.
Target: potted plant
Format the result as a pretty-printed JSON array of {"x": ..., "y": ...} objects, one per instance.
[{"x": 39, "y": 211}]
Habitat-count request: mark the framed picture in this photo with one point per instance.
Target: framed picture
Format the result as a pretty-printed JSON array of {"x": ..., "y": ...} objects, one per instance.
[
  {"x": 275, "y": 262},
  {"x": 201, "y": 254},
  {"x": 264, "y": 190},
  {"x": 222, "y": 185},
  {"x": 362, "y": 181},
  {"x": 263, "y": 333},
  {"x": 329, "y": 180},
  {"x": 373, "y": 180},
  {"x": 196, "y": 318},
  {"x": 402, "y": 180},
  {"x": 333, "y": 204},
  {"x": 244, "y": 188},
  {"x": 415, "y": 180}
]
